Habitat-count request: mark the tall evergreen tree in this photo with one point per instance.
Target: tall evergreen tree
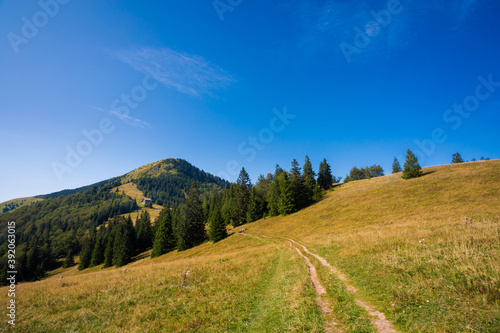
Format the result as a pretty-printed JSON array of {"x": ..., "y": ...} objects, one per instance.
[
  {"x": 396, "y": 167},
  {"x": 325, "y": 178},
  {"x": 412, "y": 168},
  {"x": 274, "y": 193},
  {"x": 164, "y": 237},
  {"x": 457, "y": 158},
  {"x": 285, "y": 200},
  {"x": 241, "y": 198},
  {"x": 121, "y": 252},
  {"x": 217, "y": 228},
  {"x": 98, "y": 251},
  {"x": 69, "y": 260},
  {"x": 109, "y": 251},
  {"x": 255, "y": 205},
  {"x": 86, "y": 254},
  {"x": 191, "y": 229},
  {"x": 310, "y": 185},
  {"x": 144, "y": 231},
  {"x": 297, "y": 186}
]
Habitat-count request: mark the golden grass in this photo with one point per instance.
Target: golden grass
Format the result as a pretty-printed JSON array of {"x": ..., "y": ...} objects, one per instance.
[
  {"x": 426, "y": 252},
  {"x": 132, "y": 191},
  {"x": 240, "y": 284}
]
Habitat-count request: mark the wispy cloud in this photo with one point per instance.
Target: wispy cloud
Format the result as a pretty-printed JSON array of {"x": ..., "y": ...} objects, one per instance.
[
  {"x": 126, "y": 118},
  {"x": 189, "y": 74}
]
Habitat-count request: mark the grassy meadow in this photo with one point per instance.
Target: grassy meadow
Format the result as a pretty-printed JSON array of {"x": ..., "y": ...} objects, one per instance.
[{"x": 425, "y": 252}]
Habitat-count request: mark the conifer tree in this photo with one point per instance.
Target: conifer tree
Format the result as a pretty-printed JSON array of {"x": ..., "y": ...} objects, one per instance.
[
  {"x": 285, "y": 200},
  {"x": 325, "y": 178},
  {"x": 191, "y": 229},
  {"x": 411, "y": 168},
  {"x": 274, "y": 193},
  {"x": 255, "y": 203},
  {"x": 86, "y": 254},
  {"x": 121, "y": 253},
  {"x": 108, "y": 252},
  {"x": 98, "y": 251},
  {"x": 217, "y": 228},
  {"x": 144, "y": 231},
  {"x": 457, "y": 158},
  {"x": 297, "y": 186},
  {"x": 396, "y": 167},
  {"x": 69, "y": 261},
  {"x": 241, "y": 198},
  {"x": 164, "y": 237},
  {"x": 309, "y": 179}
]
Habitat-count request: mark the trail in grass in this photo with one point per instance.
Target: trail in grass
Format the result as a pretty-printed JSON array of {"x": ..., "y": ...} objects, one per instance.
[
  {"x": 378, "y": 319},
  {"x": 324, "y": 305}
]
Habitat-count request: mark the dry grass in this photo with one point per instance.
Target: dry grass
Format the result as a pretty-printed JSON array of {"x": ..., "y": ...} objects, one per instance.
[
  {"x": 132, "y": 191},
  {"x": 426, "y": 252}
]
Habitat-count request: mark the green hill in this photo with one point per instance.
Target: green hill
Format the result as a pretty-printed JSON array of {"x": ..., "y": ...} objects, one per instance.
[{"x": 419, "y": 255}]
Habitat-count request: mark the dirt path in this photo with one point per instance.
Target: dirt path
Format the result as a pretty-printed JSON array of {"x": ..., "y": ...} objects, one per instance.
[
  {"x": 323, "y": 304},
  {"x": 377, "y": 318}
]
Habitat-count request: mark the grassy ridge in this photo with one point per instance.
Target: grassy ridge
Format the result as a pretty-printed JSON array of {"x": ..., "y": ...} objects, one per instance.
[{"x": 425, "y": 251}]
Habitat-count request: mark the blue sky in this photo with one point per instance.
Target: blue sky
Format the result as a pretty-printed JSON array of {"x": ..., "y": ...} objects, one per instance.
[{"x": 91, "y": 90}]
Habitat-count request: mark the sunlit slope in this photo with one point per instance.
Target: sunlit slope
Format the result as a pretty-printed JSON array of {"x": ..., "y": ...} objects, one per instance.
[
  {"x": 426, "y": 250},
  {"x": 241, "y": 284}
]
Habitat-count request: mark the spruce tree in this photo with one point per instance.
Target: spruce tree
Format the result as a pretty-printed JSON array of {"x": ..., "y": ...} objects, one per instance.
[
  {"x": 108, "y": 252},
  {"x": 69, "y": 261},
  {"x": 254, "y": 211},
  {"x": 144, "y": 231},
  {"x": 285, "y": 200},
  {"x": 325, "y": 178},
  {"x": 274, "y": 193},
  {"x": 297, "y": 186},
  {"x": 308, "y": 176},
  {"x": 192, "y": 227},
  {"x": 457, "y": 158},
  {"x": 121, "y": 253},
  {"x": 411, "y": 168},
  {"x": 98, "y": 251},
  {"x": 241, "y": 198},
  {"x": 217, "y": 228},
  {"x": 164, "y": 237},
  {"x": 86, "y": 254},
  {"x": 396, "y": 167}
]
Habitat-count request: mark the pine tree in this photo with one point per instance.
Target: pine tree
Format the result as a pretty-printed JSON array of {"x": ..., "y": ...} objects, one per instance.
[
  {"x": 191, "y": 230},
  {"x": 274, "y": 193},
  {"x": 254, "y": 210},
  {"x": 217, "y": 228},
  {"x": 325, "y": 178},
  {"x": 309, "y": 180},
  {"x": 297, "y": 186},
  {"x": 457, "y": 158},
  {"x": 411, "y": 169},
  {"x": 98, "y": 251},
  {"x": 144, "y": 231},
  {"x": 164, "y": 236},
  {"x": 241, "y": 198},
  {"x": 121, "y": 253},
  {"x": 86, "y": 254},
  {"x": 285, "y": 200},
  {"x": 69, "y": 261},
  {"x": 396, "y": 167},
  {"x": 108, "y": 252}
]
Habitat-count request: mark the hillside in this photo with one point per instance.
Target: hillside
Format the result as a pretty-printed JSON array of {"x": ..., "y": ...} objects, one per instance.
[
  {"x": 50, "y": 226},
  {"x": 422, "y": 253},
  {"x": 13, "y": 204}
]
